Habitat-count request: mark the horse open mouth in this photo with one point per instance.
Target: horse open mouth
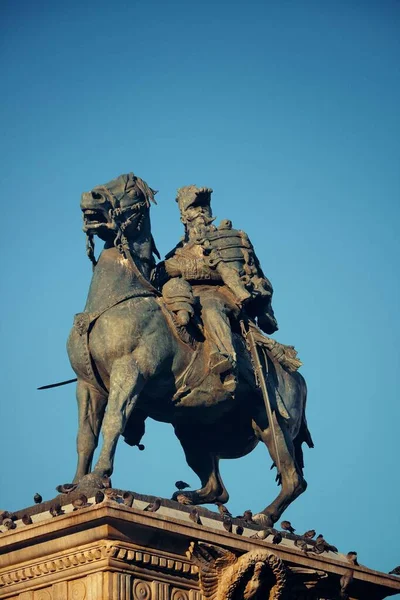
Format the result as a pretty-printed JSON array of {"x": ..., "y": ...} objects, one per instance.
[{"x": 94, "y": 218}]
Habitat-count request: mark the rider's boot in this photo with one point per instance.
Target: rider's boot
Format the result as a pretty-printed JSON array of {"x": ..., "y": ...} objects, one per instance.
[{"x": 225, "y": 366}]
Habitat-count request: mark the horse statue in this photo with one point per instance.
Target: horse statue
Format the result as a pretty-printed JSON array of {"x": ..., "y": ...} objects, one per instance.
[{"x": 130, "y": 359}]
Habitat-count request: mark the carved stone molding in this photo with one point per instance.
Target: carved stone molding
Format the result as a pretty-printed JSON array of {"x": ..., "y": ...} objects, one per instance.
[
  {"x": 116, "y": 551},
  {"x": 115, "y": 586}
]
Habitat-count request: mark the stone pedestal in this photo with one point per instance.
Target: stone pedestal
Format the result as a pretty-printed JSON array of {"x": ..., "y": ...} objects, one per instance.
[{"x": 112, "y": 552}]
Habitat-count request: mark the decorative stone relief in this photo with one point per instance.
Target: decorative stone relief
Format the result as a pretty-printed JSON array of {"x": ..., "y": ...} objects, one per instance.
[
  {"x": 77, "y": 590},
  {"x": 225, "y": 576},
  {"x": 179, "y": 595},
  {"x": 141, "y": 590}
]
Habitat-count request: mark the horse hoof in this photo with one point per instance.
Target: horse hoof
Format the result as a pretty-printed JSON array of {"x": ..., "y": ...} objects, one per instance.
[
  {"x": 182, "y": 498},
  {"x": 263, "y": 520},
  {"x": 89, "y": 484}
]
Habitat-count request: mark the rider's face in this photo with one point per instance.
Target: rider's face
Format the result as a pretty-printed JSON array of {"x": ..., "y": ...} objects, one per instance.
[{"x": 198, "y": 215}]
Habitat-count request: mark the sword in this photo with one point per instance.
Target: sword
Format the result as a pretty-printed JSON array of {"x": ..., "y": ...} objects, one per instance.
[
  {"x": 51, "y": 385},
  {"x": 260, "y": 380}
]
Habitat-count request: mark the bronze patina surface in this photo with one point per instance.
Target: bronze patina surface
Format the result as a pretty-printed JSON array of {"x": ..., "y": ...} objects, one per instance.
[{"x": 176, "y": 342}]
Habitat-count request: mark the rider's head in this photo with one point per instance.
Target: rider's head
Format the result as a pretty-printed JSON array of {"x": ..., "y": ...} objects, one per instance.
[{"x": 194, "y": 206}]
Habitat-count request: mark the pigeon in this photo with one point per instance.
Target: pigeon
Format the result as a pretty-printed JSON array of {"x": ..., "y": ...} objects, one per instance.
[
  {"x": 227, "y": 523},
  {"x": 55, "y": 510},
  {"x": 4, "y": 515},
  {"x": 395, "y": 571},
  {"x": 26, "y": 519},
  {"x": 80, "y": 502},
  {"x": 183, "y": 499},
  {"x": 247, "y": 516},
  {"x": 99, "y": 497},
  {"x": 352, "y": 557},
  {"x": 277, "y": 538},
  {"x": 322, "y": 545},
  {"x": 111, "y": 494},
  {"x": 194, "y": 516},
  {"x": 181, "y": 485},
  {"x": 37, "y": 498},
  {"x": 223, "y": 510},
  {"x": 9, "y": 523},
  {"x": 302, "y": 545},
  {"x": 287, "y": 526},
  {"x": 128, "y": 499},
  {"x": 66, "y": 488},
  {"x": 153, "y": 506},
  {"x": 239, "y": 530},
  {"x": 308, "y": 535}
]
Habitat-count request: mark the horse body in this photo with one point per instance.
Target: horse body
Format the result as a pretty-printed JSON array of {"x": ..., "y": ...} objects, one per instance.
[{"x": 129, "y": 359}]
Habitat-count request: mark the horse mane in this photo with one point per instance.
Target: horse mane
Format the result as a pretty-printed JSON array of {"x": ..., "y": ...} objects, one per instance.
[{"x": 146, "y": 190}]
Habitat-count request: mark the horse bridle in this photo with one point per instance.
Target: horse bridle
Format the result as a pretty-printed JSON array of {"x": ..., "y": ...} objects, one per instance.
[{"x": 121, "y": 242}]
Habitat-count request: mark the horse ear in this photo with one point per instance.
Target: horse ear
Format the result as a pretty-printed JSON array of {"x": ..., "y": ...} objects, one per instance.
[{"x": 147, "y": 191}]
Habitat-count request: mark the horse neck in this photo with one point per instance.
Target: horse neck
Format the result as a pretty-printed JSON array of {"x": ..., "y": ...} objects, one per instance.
[{"x": 114, "y": 275}]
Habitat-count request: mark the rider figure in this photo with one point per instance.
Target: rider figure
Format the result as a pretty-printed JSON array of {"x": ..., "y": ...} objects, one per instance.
[{"x": 224, "y": 273}]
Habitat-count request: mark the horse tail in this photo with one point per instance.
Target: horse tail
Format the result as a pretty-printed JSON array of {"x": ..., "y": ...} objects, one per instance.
[{"x": 304, "y": 434}]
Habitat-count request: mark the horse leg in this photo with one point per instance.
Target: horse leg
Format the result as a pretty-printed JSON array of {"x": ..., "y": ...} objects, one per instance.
[
  {"x": 91, "y": 407},
  {"x": 206, "y": 466},
  {"x": 126, "y": 383},
  {"x": 292, "y": 482}
]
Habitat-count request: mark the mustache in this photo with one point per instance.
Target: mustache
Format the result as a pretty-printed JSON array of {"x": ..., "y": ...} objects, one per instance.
[{"x": 206, "y": 220}]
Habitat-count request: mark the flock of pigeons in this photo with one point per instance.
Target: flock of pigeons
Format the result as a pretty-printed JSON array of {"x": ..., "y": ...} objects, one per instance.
[{"x": 306, "y": 542}]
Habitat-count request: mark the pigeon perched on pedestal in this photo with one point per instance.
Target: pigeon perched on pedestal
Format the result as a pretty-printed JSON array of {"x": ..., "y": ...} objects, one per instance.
[
  {"x": 277, "y": 538},
  {"x": 194, "y": 516},
  {"x": 287, "y": 526},
  {"x": 153, "y": 506},
  {"x": 308, "y": 535},
  {"x": 26, "y": 519}
]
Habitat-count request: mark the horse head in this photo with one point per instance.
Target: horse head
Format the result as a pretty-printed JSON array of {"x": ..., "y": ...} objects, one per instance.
[{"x": 117, "y": 211}]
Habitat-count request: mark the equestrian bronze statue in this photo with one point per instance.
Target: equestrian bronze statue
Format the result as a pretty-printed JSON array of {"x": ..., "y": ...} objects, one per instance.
[{"x": 181, "y": 342}]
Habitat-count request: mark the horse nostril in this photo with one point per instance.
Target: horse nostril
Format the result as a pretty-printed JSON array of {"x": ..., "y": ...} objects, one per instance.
[{"x": 96, "y": 196}]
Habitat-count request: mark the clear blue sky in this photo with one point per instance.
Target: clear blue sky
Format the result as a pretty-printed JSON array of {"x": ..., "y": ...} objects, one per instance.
[{"x": 290, "y": 111}]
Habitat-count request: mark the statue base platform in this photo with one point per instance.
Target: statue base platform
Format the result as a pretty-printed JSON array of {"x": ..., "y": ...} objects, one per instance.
[{"x": 109, "y": 551}]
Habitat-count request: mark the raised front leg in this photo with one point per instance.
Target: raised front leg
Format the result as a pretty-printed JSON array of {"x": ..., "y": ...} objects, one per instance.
[
  {"x": 91, "y": 407},
  {"x": 206, "y": 466},
  {"x": 292, "y": 482},
  {"x": 126, "y": 383}
]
